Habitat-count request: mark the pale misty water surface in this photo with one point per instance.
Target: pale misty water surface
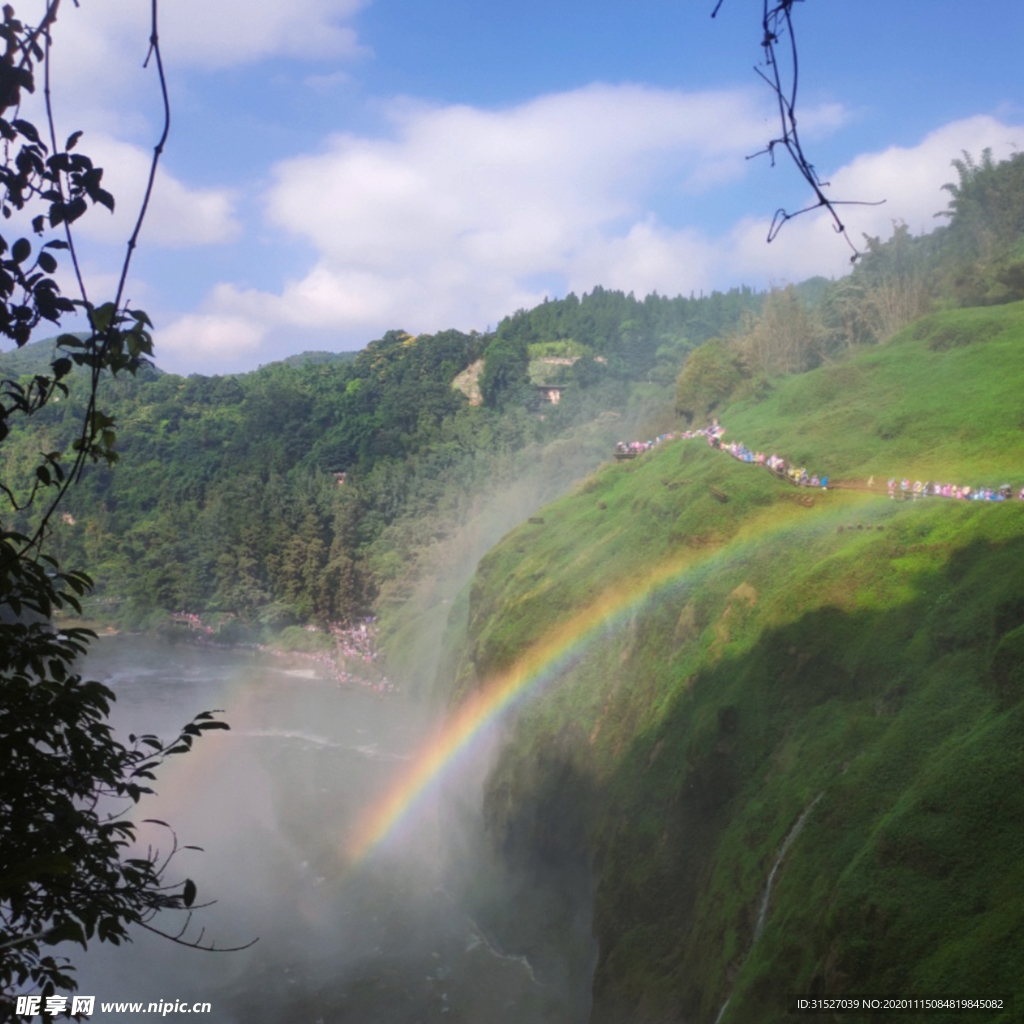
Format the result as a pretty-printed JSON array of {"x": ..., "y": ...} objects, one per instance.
[{"x": 272, "y": 802}]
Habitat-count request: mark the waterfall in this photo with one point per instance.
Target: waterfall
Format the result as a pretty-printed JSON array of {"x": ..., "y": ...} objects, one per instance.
[
  {"x": 766, "y": 895},
  {"x": 786, "y": 843}
]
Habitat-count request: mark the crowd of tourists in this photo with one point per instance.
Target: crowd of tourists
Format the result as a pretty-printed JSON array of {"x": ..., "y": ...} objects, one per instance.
[
  {"x": 354, "y": 643},
  {"x": 714, "y": 434},
  {"x": 776, "y": 464},
  {"x": 194, "y": 623},
  {"x": 358, "y": 642},
  {"x": 799, "y": 476},
  {"x": 628, "y": 448},
  {"x": 932, "y": 489}
]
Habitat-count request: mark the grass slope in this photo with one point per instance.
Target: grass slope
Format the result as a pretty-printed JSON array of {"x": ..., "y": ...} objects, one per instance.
[{"x": 861, "y": 653}]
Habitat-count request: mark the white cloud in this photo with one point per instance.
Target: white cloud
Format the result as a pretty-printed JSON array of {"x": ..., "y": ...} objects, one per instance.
[
  {"x": 231, "y": 32},
  {"x": 453, "y": 219},
  {"x": 177, "y": 215},
  {"x": 99, "y": 85},
  {"x": 195, "y": 340},
  {"x": 649, "y": 258},
  {"x": 909, "y": 179},
  {"x": 512, "y": 186},
  {"x": 108, "y": 38}
]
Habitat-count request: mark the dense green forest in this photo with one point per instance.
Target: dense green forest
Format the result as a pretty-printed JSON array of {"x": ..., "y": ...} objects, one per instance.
[
  {"x": 325, "y": 487},
  {"x": 305, "y": 490}
]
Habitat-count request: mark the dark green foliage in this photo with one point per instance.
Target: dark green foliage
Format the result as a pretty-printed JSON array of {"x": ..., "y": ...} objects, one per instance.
[
  {"x": 712, "y": 374},
  {"x": 504, "y": 380},
  {"x": 851, "y": 657},
  {"x": 304, "y": 358},
  {"x": 65, "y": 784},
  {"x": 66, "y": 873},
  {"x": 977, "y": 259},
  {"x": 633, "y": 336},
  {"x": 231, "y": 502},
  {"x": 986, "y": 207},
  {"x": 231, "y": 499},
  {"x": 586, "y": 372}
]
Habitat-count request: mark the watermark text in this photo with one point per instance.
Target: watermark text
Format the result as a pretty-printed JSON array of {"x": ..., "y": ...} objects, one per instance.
[{"x": 32, "y": 1006}]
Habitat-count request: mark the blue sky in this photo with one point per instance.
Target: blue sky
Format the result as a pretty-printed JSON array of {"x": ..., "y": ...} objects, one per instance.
[{"x": 337, "y": 168}]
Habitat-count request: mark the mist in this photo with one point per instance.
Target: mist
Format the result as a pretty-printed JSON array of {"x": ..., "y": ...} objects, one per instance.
[
  {"x": 272, "y": 803},
  {"x": 414, "y": 627},
  {"x": 422, "y": 929}
]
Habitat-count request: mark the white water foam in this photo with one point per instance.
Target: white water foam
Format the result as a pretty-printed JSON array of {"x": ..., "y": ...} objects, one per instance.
[{"x": 766, "y": 895}]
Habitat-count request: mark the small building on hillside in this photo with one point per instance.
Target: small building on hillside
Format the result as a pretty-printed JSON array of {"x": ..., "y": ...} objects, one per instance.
[{"x": 551, "y": 392}]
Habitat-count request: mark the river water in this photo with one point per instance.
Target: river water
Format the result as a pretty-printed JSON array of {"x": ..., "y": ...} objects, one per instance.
[{"x": 272, "y": 803}]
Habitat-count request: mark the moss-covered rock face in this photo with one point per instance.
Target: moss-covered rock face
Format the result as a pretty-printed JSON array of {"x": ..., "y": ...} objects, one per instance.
[{"x": 762, "y": 655}]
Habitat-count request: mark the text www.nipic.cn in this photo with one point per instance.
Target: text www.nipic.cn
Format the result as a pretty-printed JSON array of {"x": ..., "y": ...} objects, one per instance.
[{"x": 30, "y": 1006}]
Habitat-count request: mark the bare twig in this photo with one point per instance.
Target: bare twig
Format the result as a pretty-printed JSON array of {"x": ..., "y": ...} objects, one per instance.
[
  {"x": 777, "y": 30},
  {"x": 197, "y": 944}
]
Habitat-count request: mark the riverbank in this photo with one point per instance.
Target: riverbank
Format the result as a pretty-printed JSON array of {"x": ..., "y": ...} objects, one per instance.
[{"x": 347, "y": 654}]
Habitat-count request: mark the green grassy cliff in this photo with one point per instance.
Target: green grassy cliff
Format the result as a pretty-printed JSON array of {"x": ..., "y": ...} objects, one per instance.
[{"x": 763, "y": 651}]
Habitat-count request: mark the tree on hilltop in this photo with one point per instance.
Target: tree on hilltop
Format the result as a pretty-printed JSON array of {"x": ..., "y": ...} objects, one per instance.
[{"x": 504, "y": 380}]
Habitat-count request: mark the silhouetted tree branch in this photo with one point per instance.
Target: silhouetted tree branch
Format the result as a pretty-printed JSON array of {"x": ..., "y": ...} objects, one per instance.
[
  {"x": 68, "y": 870},
  {"x": 780, "y": 69}
]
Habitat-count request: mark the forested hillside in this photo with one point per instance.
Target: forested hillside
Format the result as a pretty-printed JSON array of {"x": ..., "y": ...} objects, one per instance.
[
  {"x": 767, "y": 736},
  {"x": 309, "y": 490},
  {"x": 326, "y": 487}
]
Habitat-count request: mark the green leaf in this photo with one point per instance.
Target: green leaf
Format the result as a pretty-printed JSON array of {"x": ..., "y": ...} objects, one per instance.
[
  {"x": 68, "y": 931},
  {"x": 74, "y": 209},
  {"x": 101, "y": 317},
  {"x": 32, "y": 869},
  {"x": 22, "y": 250},
  {"x": 27, "y": 128}
]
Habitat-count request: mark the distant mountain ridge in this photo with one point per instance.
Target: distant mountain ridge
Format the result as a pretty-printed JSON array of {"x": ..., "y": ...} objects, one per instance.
[{"x": 36, "y": 357}]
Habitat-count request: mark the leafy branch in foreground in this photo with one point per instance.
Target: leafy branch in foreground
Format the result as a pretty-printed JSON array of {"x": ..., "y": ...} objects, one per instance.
[{"x": 68, "y": 866}]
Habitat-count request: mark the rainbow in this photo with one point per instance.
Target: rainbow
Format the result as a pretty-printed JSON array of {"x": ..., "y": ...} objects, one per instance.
[{"x": 543, "y": 662}]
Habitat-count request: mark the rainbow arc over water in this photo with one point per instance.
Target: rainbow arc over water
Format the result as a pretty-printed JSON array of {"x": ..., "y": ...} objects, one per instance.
[{"x": 541, "y": 664}]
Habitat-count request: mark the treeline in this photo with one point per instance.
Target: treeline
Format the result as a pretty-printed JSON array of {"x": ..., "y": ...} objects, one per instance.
[
  {"x": 310, "y": 489},
  {"x": 976, "y": 259},
  {"x": 621, "y": 338}
]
